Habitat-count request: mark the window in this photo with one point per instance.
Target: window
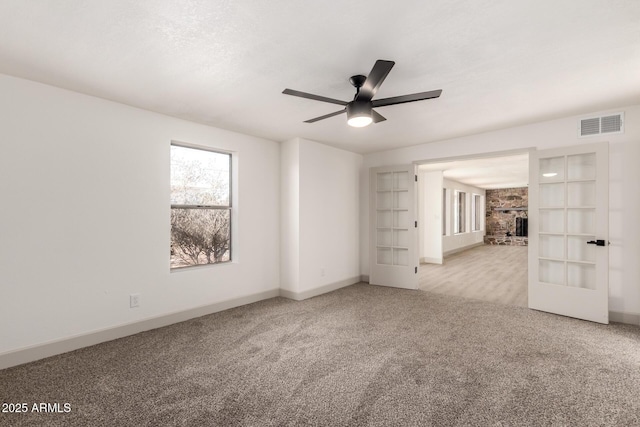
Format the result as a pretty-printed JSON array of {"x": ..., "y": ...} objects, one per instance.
[
  {"x": 444, "y": 211},
  {"x": 200, "y": 206},
  {"x": 477, "y": 212},
  {"x": 460, "y": 211}
]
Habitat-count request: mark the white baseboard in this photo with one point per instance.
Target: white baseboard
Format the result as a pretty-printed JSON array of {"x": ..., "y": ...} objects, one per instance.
[
  {"x": 299, "y": 296},
  {"x": 455, "y": 251},
  {"x": 621, "y": 317},
  {"x": 52, "y": 348},
  {"x": 429, "y": 260},
  {"x": 364, "y": 278}
]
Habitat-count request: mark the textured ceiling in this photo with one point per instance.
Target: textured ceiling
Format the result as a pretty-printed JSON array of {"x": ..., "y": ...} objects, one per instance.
[
  {"x": 488, "y": 173},
  {"x": 225, "y": 63}
]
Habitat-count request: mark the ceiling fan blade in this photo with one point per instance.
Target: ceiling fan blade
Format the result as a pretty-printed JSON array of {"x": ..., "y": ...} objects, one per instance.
[
  {"x": 377, "y": 117},
  {"x": 406, "y": 98},
  {"x": 312, "y": 96},
  {"x": 326, "y": 116},
  {"x": 375, "y": 78}
]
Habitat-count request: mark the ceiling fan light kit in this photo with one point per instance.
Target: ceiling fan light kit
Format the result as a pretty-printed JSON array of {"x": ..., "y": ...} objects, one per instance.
[
  {"x": 360, "y": 111},
  {"x": 359, "y": 114}
]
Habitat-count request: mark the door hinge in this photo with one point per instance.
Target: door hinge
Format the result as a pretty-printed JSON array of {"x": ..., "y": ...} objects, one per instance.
[
  {"x": 416, "y": 270},
  {"x": 416, "y": 224},
  {"x": 416, "y": 178}
]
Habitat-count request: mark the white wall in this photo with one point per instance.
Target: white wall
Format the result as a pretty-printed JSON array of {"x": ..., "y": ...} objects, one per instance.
[
  {"x": 430, "y": 216},
  {"x": 328, "y": 213},
  {"x": 85, "y": 216},
  {"x": 452, "y": 242},
  {"x": 624, "y": 197},
  {"x": 290, "y": 215}
]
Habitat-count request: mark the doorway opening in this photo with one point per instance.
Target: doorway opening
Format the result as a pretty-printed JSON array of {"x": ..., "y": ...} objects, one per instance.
[{"x": 472, "y": 233}]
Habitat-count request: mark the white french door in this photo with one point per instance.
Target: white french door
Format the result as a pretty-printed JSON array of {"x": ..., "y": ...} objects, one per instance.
[
  {"x": 393, "y": 243},
  {"x": 568, "y": 231}
]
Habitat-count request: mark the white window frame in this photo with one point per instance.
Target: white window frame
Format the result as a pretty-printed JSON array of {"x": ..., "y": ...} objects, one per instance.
[
  {"x": 460, "y": 212},
  {"x": 476, "y": 212},
  {"x": 445, "y": 218},
  {"x": 228, "y": 207}
]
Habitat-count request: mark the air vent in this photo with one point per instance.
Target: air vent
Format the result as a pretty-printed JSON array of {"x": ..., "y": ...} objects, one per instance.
[{"x": 613, "y": 123}]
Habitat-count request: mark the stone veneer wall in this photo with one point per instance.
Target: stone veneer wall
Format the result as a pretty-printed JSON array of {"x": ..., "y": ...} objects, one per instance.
[{"x": 499, "y": 222}]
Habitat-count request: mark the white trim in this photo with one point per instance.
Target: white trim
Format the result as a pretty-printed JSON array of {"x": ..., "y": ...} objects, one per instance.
[
  {"x": 455, "y": 251},
  {"x": 52, "y": 348},
  {"x": 364, "y": 278},
  {"x": 487, "y": 155},
  {"x": 299, "y": 296},
  {"x": 430, "y": 260},
  {"x": 622, "y": 317}
]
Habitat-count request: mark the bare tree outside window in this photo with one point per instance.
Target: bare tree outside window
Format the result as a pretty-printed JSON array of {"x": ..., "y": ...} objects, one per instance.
[{"x": 200, "y": 207}]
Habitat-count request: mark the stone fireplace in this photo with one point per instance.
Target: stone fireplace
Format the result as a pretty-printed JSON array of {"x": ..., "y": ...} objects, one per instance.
[{"x": 506, "y": 217}]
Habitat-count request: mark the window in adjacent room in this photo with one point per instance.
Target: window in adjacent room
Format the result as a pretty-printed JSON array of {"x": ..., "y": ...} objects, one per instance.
[
  {"x": 477, "y": 212},
  {"x": 200, "y": 206},
  {"x": 444, "y": 211},
  {"x": 460, "y": 208}
]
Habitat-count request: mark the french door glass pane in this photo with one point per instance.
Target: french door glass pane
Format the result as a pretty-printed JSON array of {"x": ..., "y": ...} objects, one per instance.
[
  {"x": 401, "y": 238},
  {"x": 581, "y": 221},
  {"x": 581, "y": 193},
  {"x": 384, "y": 256},
  {"x": 401, "y": 199},
  {"x": 384, "y": 200},
  {"x": 384, "y": 219},
  {"x": 401, "y": 219},
  {"x": 551, "y": 195},
  {"x": 552, "y": 169},
  {"x": 581, "y": 166},
  {"x": 551, "y": 272},
  {"x": 551, "y": 246},
  {"x": 385, "y": 181},
  {"x": 400, "y": 180},
  {"x": 400, "y": 257},
  {"x": 551, "y": 220},
  {"x": 579, "y": 250},
  {"x": 384, "y": 237},
  {"x": 581, "y": 275}
]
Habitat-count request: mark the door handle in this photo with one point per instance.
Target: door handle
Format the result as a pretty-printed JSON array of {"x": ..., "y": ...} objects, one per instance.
[{"x": 596, "y": 242}]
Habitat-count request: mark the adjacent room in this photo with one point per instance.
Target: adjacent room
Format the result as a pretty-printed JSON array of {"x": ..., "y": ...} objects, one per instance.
[
  {"x": 329, "y": 213},
  {"x": 474, "y": 228}
]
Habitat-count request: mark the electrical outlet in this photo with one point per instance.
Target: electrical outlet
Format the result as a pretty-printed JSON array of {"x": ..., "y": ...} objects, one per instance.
[{"x": 134, "y": 300}]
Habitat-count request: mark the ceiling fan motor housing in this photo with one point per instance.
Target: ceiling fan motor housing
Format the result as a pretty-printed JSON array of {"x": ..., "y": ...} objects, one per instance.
[
  {"x": 359, "y": 108},
  {"x": 358, "y": 80}
]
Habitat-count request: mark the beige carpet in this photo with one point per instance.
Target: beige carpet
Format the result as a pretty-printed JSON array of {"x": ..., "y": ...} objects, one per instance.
[
  {"x": 489, "y": 273},
  {"x": 363, "y": 355}
]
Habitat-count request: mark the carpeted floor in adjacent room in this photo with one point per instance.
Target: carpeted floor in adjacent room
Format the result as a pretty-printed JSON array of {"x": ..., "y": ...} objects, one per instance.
[{"x": 362, "y": 355}]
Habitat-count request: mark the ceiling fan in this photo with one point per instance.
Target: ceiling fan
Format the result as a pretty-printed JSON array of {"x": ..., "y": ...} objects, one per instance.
[{"x": 360, "y": 111}]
